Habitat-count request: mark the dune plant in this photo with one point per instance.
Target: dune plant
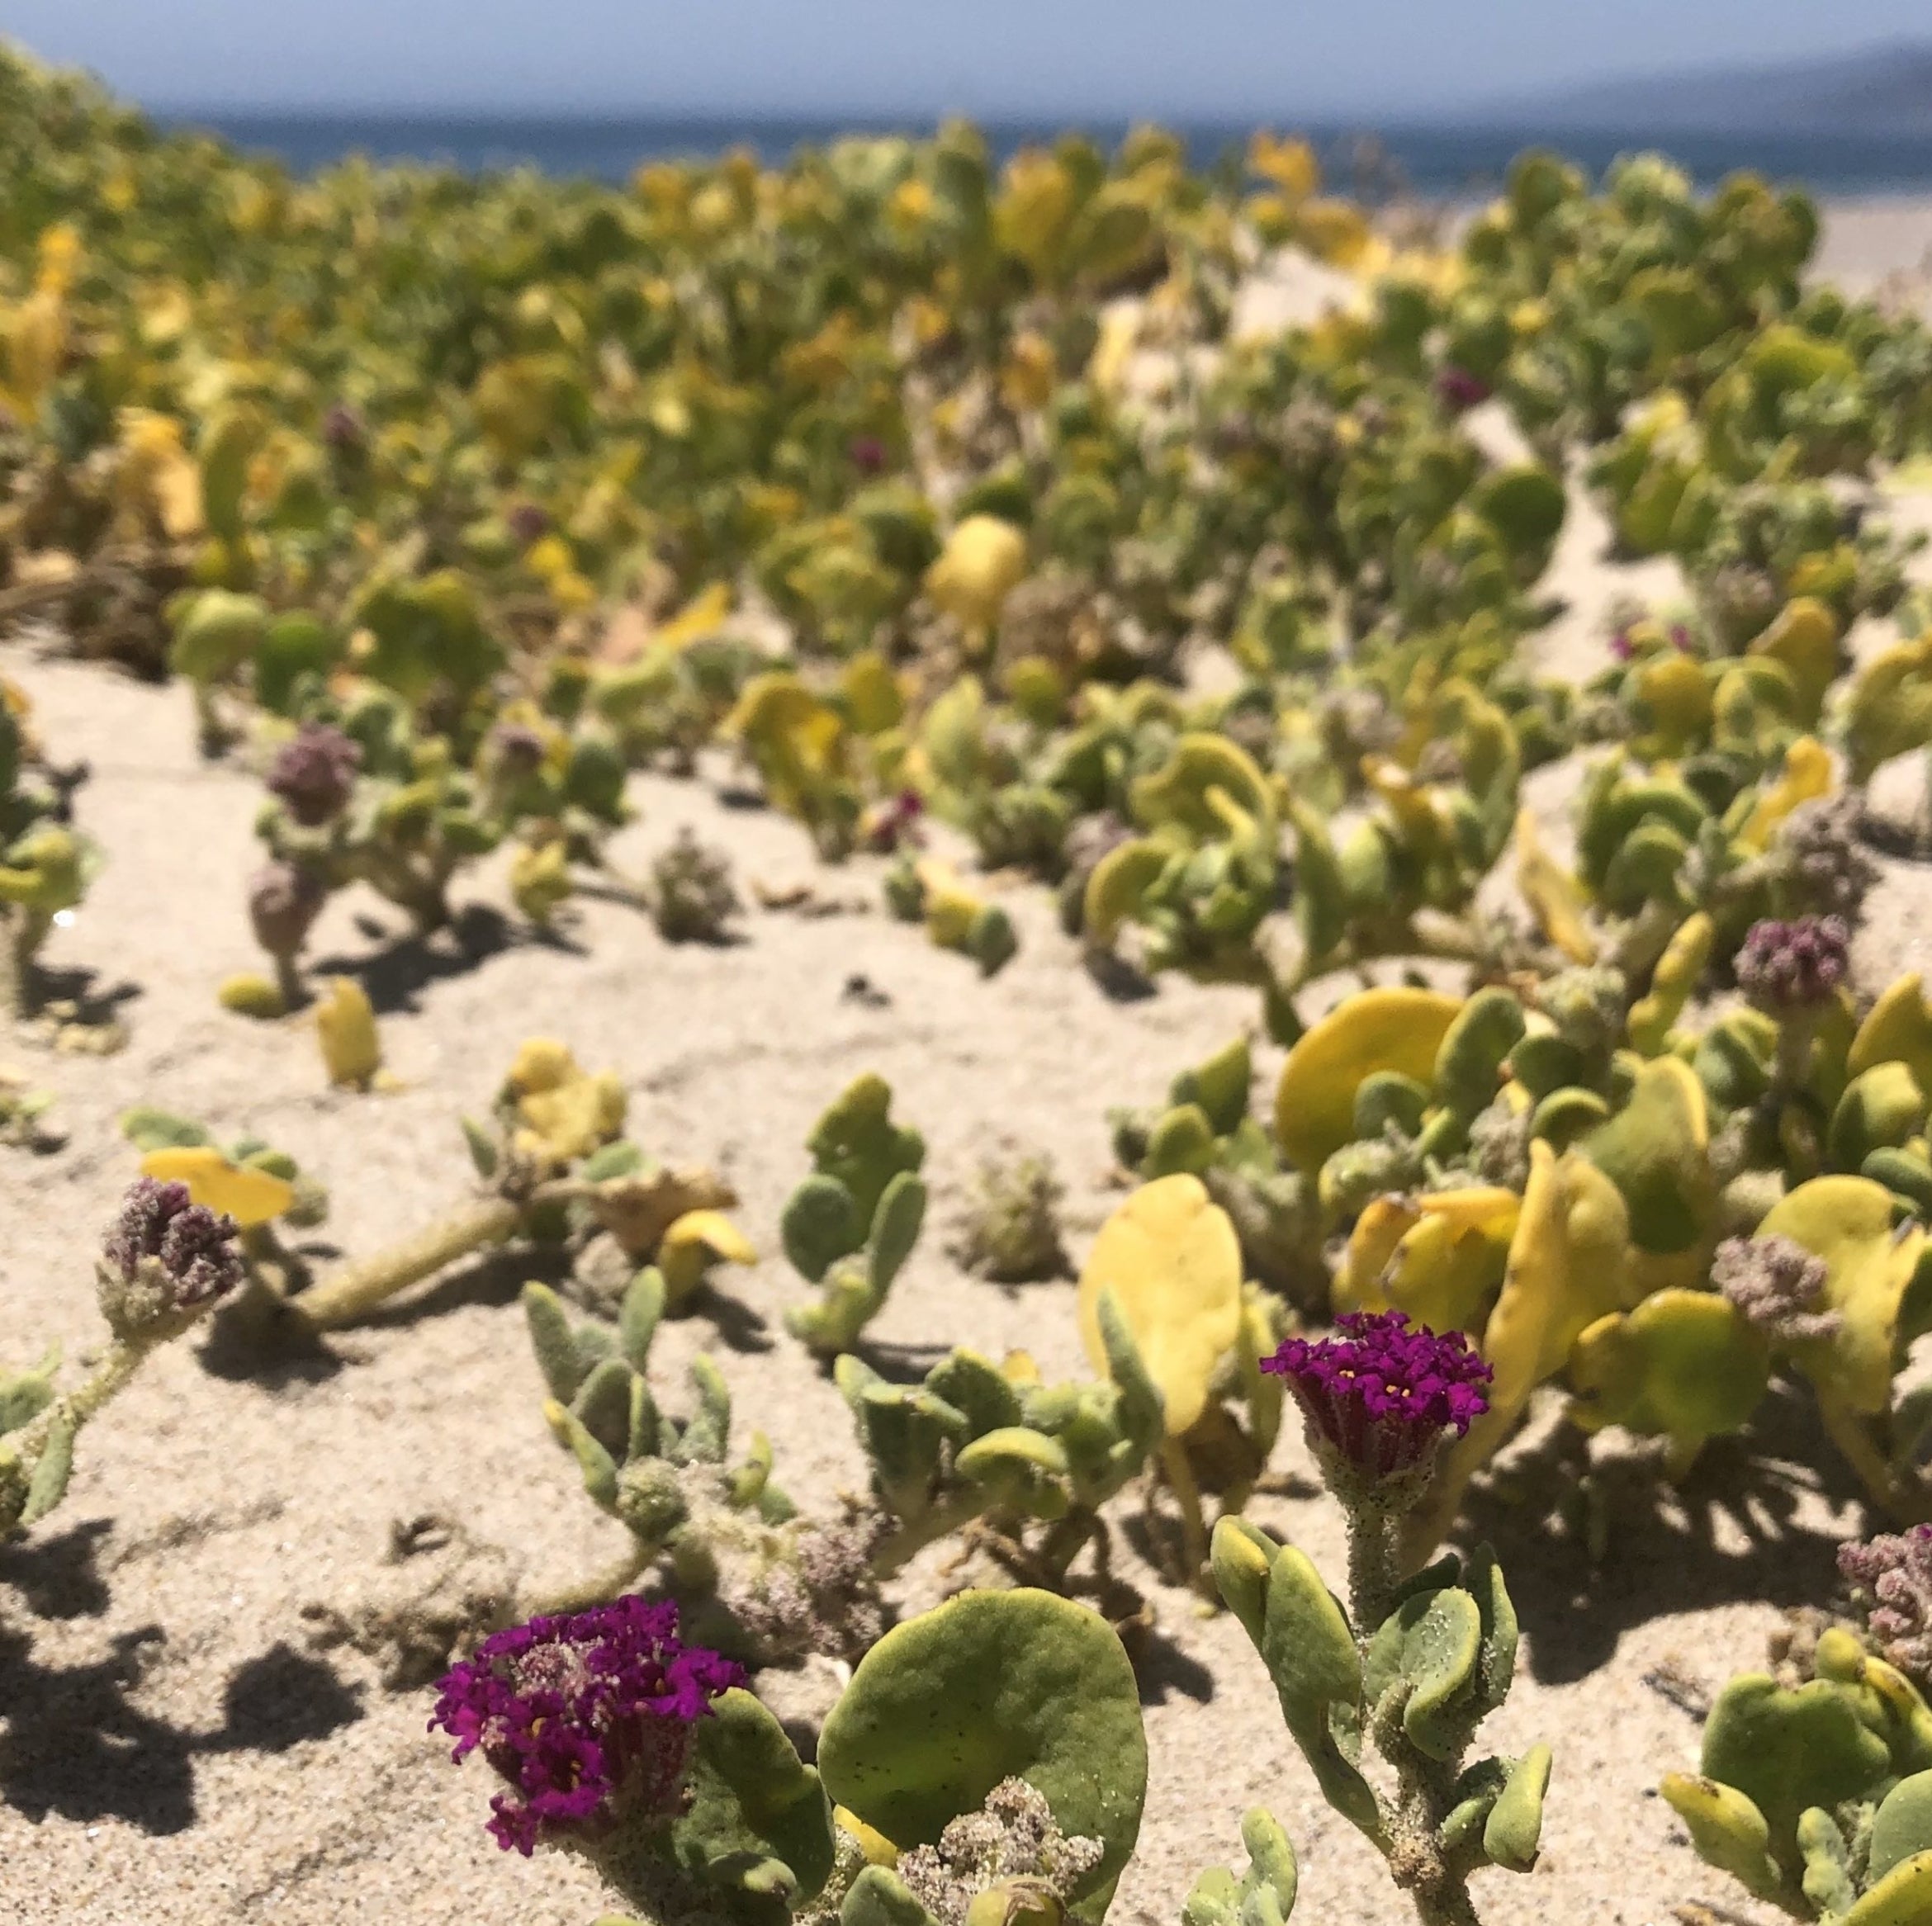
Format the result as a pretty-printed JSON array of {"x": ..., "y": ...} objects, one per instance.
[
  {"x": 165, "y": 1263},
  {"x": 1813, "y": 1797},
  {"x": 1384, "y": 1695},
  {"x": 555, "y": 1169},
  {"x": 851, "y": 1226},
  {"x": 721, "y": 1538},
  {"x": 46, "y": 864}
]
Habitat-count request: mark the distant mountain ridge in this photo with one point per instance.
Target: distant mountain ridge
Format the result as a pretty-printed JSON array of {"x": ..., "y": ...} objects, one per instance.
[{"x": 1882, "y": 92}]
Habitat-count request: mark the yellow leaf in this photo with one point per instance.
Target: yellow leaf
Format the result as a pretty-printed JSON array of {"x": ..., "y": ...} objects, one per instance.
[
  {"x": 1172, "y": 1260},
  {"x": 1898, "y": 1030},
  {"x": 249, "y": 1196},
  {"x": 1806, "y": 776},
  {"x": 1566, "y": 1269},
  {"x": 980, "y": 565},
  {"x": 1847, "y": 1221},
  {"x": 1290, "y": 164},
  {"x": 1555, "y": 896},
  {"x": 345, "y": 1025},
  {"x": 693, "y": 1243},
  {"x": 1399, "y": 1029}
]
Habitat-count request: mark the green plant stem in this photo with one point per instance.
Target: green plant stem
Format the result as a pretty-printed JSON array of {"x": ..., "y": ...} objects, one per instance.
[
  {"x": 1374, "y": 1569},
  {"x": 289, "y": 986},
  {"x": 1907, "y": 1501},
  {"x": 910, "y": 1539},
  {"x": 1193, "y": 1537},
  {"x": 354, "y": 1293},
  {"x": 599, "y": 1588},
  {"x": 20, "y": 975},
  {"x": 81, "y": 1403}
]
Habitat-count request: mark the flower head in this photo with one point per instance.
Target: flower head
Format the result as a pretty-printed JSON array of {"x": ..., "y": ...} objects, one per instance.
[
  {"x": 894, "y": 823},
  {"x": 164, "y": 1258},
  {"x": 528, "y": 521},
  {"x": 1785, "y": 968},
  {"x": 1891, "y": 1578},
  {"x": 342, "y": 427},
  {"x": 313, "y": 776},
  {"x": 516, "y": 749},
  {"x": 588, "y": 1716},
  {"x": 1378, "y": 1397},
  {"x": 1458, "y": 390},
  {"x": 1779, "y": 1286},
  {"x": 867, "y": 454}
]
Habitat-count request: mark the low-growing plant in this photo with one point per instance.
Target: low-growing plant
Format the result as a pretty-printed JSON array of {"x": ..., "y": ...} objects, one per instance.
[
  {"x": 749, "y": 1575},
  {"x": 1009, "y": 1231},
  {"x": 248, "y": 1181},
  {"x": 557, "y": 1172},
  {"x": 850, "y": 1227},
  {"x": 923, "y": 889},
  {"x": 692, "y": 899},
  {"x": 46, "y": 864},
  {"x": 1817, "y": 1798},
  {"x": 1384, "y": 1696},
  {"x": 165, "y": 1263}
]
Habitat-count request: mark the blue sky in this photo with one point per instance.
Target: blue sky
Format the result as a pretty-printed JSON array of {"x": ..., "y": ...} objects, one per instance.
[{"x": 1272, "y": 59}]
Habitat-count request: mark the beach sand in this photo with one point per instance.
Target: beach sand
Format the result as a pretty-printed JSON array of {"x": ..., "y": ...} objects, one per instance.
[{"x": 176, "y": 1754}]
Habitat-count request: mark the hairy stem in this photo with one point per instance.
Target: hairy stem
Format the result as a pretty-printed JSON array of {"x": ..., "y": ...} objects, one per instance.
[
  {"x": 1374, "y": 1569},
  {"x": 25, "y": 929},
  {"x": 599, "y": 1588},
  {"x": 910, "y": 1539},
  {"x": 354, "y": 1293},
  {"x": 1904, "y": 1497},
  {"x": 1193, "y": 1537},
  {"x": 81, "y": 1403}
]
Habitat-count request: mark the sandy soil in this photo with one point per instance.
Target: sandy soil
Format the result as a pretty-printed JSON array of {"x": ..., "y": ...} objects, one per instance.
[{"x": 175, "y": 1753}]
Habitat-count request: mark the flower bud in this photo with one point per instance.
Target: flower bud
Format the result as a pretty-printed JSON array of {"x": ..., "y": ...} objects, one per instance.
[
  {"x": 165, "y": 1261},
  {"x": 313, "y": 776},
  {"x": 284, "y": 901}
]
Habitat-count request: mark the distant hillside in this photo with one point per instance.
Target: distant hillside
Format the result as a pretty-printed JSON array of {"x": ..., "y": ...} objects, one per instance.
[{"x": 1883, "y": 93}]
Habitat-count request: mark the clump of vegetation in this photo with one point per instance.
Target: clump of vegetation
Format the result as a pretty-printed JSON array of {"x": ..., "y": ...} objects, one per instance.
[
  {"x": 692, "y": 896},
  {"x": 1010, "y": 1231}
]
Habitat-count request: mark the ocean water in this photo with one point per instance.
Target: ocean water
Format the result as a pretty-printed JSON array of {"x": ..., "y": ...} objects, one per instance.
[{"x": 1437, "y": 161}]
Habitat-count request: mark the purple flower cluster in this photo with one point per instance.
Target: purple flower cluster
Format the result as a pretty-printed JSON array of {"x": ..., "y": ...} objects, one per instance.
[
  {"x": 1891, "y": 1578},
  {"x": 1458, "y": 390},
  {"x": 194, "y": 1248},
  {"x": 1381, "y": 1395},
  {"x": 313, "y": 776},
  {"x": 589, "y": 1717},
  {"x": 1787, "y": 967},
  {"x": 341, "y": 428},
  {"x": 516, "y": 749},
  {"x": 528, "y": 521},
  {"x": 891, "y": 824}
]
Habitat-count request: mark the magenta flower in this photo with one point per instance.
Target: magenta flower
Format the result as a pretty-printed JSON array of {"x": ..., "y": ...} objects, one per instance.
[
  {"x": 1622, "y": 647},
  {"x": 1378, "y": 1397},
  {"x": 868, "y": 454},
  {"x": 1787, "y": 967},
  {"x": 589, "y": 1717},
  {"x": 891, "y": 823},
  {"x": 313, "y": 776},
  {"x": 1458, "y": 390}
]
